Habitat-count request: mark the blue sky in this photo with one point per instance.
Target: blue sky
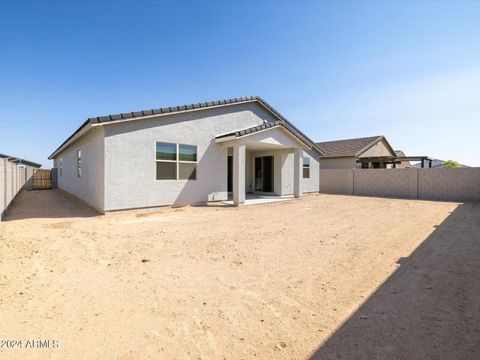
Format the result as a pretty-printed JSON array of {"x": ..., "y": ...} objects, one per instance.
[{"x": 407, "y": 70}]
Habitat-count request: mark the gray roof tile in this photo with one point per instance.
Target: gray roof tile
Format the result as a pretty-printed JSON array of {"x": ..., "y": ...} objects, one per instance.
[
  {"x": 131, "y": 115},
  {"x": 347, "y": 147}
]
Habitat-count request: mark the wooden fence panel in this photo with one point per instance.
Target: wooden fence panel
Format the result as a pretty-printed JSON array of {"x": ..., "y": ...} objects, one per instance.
[{"x": 42, "y": 180}]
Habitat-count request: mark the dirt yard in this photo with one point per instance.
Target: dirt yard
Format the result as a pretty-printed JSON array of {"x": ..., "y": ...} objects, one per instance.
[{"x": 325, "y": 277}]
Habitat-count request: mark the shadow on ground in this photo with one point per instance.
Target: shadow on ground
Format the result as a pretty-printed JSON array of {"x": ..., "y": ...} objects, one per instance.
[
  {"x": 429, "y": 308},
  {"x": 47, "y": 204}
]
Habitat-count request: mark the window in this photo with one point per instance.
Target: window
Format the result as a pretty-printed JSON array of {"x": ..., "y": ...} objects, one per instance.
[
  {"x": 306, "y": 167},
  {"x": 60, "y": 166},
  {"x": 176, "y": 161},
  {"x": 79, "y": 163}
]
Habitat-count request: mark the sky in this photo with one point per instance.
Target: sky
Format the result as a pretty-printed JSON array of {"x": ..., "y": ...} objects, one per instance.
[{"x": 407, "y": 70}]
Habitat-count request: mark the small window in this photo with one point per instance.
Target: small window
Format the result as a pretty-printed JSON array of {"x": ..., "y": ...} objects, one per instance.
[
  {"x": 79, "y": 163},
  {"x": 176, "y": 161},
  {"x": 306, "y": 167},
  {"x": 60, "y": 167}
]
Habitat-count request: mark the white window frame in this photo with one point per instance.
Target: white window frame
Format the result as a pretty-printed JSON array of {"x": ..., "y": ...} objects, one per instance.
[
  {"x": 177, "y": 161},
  {"x": 60, "y": 161},
  {"x": 79, "y": 163},
  {"x": 306, "y": 167}
]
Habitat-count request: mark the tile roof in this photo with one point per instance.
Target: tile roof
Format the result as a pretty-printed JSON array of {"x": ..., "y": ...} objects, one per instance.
[
  {"x": 190, "y": 107},
  {"x": 250, "y": 130},
  {"x": 348, "y": 147}
]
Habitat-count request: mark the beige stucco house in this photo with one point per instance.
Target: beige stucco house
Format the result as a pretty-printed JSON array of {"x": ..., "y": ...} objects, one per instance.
[
  {"x": 373, "y": 152},
  {"x": 367, "y": 152}
]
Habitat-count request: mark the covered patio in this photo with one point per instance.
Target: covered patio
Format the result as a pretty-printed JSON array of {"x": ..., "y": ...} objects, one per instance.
[
  {"x": 265, "y": 162},
  {"x": 255, "y": 199}
]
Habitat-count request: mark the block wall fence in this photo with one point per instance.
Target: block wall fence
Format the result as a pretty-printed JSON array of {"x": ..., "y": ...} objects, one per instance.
[
  {"x": 460, "y": 184},
  {"x": 13, "y": 178}
]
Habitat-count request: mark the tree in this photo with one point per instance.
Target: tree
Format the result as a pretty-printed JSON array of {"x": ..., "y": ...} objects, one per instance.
[{"x": 450, "y": 164}]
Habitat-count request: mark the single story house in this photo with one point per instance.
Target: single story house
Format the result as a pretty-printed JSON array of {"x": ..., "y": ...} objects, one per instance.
[
  {"x": 403, "y": 163},
  {"x": 373, "y": 152},
  {"x": 15, "y": 174},
  {"x": 187, "y": 154}
]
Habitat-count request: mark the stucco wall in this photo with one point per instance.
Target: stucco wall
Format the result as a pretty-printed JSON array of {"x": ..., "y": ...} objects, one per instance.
[
  {"x": 379, "y": 149},
  {"x": 429, "y": 184},
  {"x": 90, "y": 186},
  {"x": 130, "y": 156},
  {"x": 278, "y": 181},
  {"x": 313, "y": 183},
  {"x": 337, "y": 163}
]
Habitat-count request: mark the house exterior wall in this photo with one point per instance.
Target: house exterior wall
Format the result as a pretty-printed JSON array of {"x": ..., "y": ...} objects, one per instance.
[
  {"x": 283, "y": 163},
  {"x": 337, "y": 163},
  {"x": 283, "y": 171},
  {"x": 379, "y": 149},
  {"x": 130, "y": 156},
  {"x": 313, "y": 183},
  {"x": 90, "y": 186},
  {"x": 278, "y": 182},
  {"x": 404, "y": 165}
]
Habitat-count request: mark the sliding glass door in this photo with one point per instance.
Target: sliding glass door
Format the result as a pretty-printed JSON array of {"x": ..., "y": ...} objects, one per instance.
[{"x": 264, "y": 174}]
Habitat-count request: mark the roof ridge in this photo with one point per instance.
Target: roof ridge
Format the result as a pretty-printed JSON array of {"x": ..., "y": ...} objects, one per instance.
[
  {"x": 348, "y": 147},
  {"x": 170, "y": 109},
  {"x": 359, "y": 138}
]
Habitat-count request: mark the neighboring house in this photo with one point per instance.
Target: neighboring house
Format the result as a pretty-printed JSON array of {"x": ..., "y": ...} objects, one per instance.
[
  {"x": 15, "y": 174},
  {"x": 187, "y": 154},
  {"x": 373, "y": 152},
  {"x": 367, "y": 152},
  {"x": 403, "y": 163}
]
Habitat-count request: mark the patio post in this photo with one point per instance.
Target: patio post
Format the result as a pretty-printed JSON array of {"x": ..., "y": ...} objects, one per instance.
[
  {"x": 298, "y": 172},
  {"x": 238, "y": 173}
]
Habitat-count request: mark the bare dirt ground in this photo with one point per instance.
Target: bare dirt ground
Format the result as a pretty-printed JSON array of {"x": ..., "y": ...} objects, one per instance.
[{"x": 325, "y": 277}]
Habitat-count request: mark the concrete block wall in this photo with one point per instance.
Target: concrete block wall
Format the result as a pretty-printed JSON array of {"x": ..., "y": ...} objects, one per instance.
[
  {"x": 401, "y": 183},
  {"x": 336, "y": 181},
  {"x": 13, "y": 178},
  {"x": 461, "y": 185},
  {"x": 3, "y": 163}
]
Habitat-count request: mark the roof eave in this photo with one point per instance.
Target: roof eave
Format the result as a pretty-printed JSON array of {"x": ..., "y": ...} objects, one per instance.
[
  {"x": 74, "y": 137},
  {"x": 221, "y": 138}
]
